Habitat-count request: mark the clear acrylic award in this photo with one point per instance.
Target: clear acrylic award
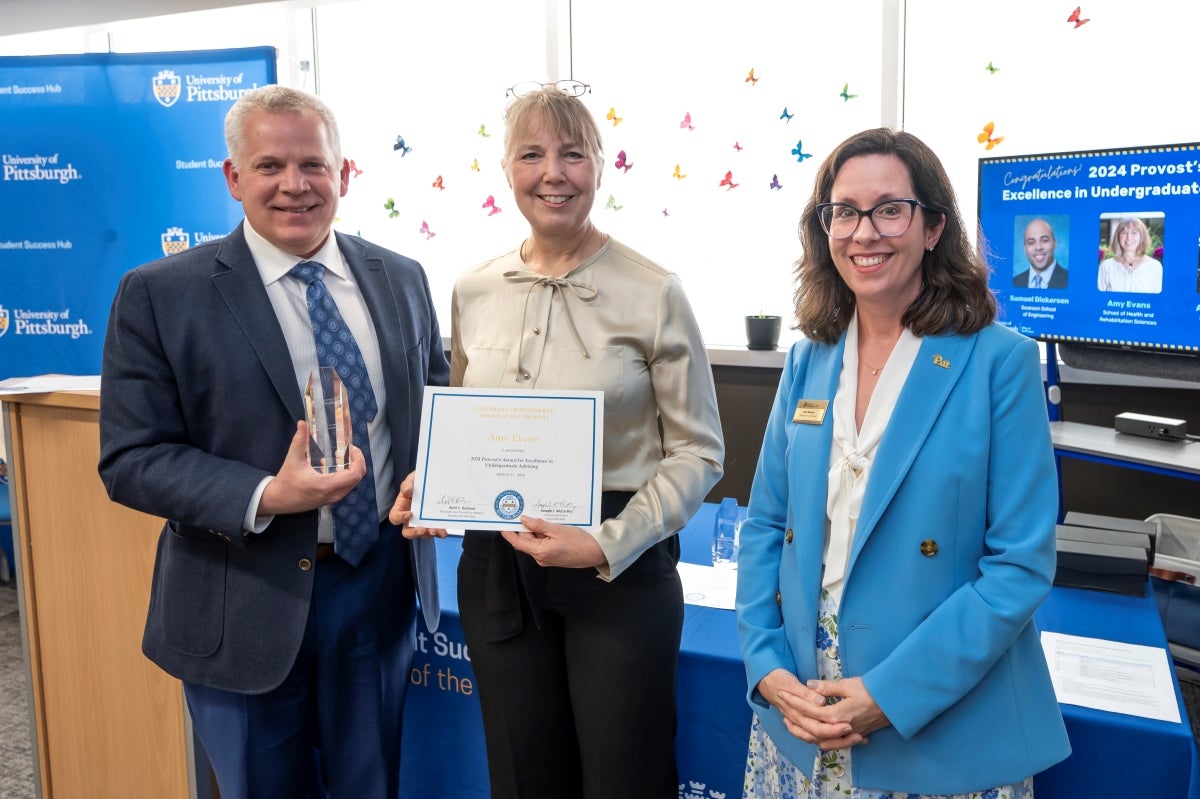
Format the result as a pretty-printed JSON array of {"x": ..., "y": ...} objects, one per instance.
[{"x": 327, "y": 411}]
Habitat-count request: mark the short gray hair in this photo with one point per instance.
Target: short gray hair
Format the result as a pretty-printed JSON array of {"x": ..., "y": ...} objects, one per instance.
[{"x": 276, "y": 100}]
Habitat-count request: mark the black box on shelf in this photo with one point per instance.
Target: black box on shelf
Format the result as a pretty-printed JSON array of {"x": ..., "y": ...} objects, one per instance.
[
  {"x": 1100, "y": 535},
  {"x": 1116, "y": 523},
  {"x": 1113, "y": 568}
]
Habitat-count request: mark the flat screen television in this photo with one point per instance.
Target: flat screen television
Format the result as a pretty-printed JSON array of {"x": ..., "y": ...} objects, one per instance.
[{"x": 1098, "y": 247}]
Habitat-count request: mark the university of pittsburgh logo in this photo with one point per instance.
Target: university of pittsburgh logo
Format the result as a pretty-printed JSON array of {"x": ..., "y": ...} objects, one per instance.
[
  {"x": 509, "y": 504},
  {"x": 166, "y": 88},
  {"x": 3, "y": 320},
  {"x": 175, "y": 240}
]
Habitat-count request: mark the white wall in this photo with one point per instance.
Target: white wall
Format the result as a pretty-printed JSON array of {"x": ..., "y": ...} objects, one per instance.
[{"x": 435, "y": 72}]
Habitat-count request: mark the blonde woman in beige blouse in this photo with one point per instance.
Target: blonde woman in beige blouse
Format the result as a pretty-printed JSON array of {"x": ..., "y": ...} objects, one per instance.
[{"x": 574, "y": 636}]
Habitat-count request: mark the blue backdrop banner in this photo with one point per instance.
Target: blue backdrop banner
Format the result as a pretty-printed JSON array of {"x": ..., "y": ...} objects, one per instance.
[{"x": 106, "y": 161}]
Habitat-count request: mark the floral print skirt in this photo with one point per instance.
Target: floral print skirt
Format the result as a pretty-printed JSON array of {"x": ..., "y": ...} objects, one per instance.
[{"x": 770, "y": 775}]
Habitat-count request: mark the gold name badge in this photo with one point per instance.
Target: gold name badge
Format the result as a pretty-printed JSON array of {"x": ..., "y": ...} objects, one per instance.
[{"x": 810, "y": 411}]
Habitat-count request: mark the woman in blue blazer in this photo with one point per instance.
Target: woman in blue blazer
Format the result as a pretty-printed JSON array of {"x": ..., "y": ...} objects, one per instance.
[{"x": 901, "y": 525}]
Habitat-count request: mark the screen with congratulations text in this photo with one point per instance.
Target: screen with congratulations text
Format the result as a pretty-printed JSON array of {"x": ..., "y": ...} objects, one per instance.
[{"x": 1098, "y": 247}]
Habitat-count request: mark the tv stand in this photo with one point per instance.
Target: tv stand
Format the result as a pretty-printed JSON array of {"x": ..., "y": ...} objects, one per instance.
[{"x": 1105, "y": 445}]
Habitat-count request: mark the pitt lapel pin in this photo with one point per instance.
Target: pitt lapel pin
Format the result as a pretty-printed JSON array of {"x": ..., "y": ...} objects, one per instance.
[
  {"x": 940, "y": 361},
  {"x": 810, "y": 411}
]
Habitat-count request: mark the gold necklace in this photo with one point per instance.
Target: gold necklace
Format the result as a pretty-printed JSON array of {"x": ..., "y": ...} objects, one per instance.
[{"x": 873, "y": 370}]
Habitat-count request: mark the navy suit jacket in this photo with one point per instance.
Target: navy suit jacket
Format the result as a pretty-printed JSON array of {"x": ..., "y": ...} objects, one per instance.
[
  {"x": 198, "y": 404},
  {"x": 1058, "y": 278}
]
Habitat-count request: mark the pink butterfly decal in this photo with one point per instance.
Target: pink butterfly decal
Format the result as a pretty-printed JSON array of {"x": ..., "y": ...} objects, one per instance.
[
  {"x": 490, "y": 202},
  {"x": 727, "y": 181},
  {"x": 737, "y": 146},
  {"x": 622, "y": 163},
  {"x": 1075, "y": 18},
  {"x": 437, "y": 184},
  {"x": 429, "y": 234},
  {"x": 686, "y": 124},
  {"x": 665, "y": 212},
  {"x": 354, "y": 170}
]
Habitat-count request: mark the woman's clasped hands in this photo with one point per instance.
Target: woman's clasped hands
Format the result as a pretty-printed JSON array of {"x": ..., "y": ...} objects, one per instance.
[{"x": 833, "y": 714}]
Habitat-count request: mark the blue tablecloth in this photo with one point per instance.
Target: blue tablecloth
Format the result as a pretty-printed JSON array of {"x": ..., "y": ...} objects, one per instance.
[{"x": 1114, "y": 755}]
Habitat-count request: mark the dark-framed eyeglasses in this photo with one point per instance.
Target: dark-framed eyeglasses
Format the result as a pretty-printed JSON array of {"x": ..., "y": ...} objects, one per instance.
[
  {"x": 571, "y": 88},
  {"x": 890, "y": 217}
]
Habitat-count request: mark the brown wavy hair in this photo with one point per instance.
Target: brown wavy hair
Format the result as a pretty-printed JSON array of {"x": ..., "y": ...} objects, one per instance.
[{"x": 954, "y": 293}]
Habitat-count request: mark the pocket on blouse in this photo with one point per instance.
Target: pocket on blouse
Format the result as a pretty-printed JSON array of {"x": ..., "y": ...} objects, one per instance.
[
  {"x": 485, "y": 367},
  {"x": 604, "y": 371}
]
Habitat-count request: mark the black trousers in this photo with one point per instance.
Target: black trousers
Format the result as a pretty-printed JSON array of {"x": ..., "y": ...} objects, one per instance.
[{"x": 577, "y": 681}]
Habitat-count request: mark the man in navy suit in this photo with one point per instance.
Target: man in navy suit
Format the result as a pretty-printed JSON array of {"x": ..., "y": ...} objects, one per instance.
[
  {"x": 1045, "y": 272},
  {"x": 294, "y": 660}
]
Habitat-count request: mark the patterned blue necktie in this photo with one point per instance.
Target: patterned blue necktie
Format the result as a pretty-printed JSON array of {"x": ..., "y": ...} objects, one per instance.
[
  {"x": 1037, "y": 281},
  {"x": 355, "y": 516}
]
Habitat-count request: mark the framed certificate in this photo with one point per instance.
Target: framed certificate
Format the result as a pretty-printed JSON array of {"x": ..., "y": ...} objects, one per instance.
[{"x": 486, "y": 457}]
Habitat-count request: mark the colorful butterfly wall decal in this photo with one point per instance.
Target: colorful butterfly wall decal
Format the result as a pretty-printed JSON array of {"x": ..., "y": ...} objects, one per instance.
[
  {"x": 677, "y": 174},
  {"x": 437, "y": 184},
  {"x": 845, "y": 94},
  {"x": 354, "y": 170},
  {"x": 429, "y": 234},
  {"x": 490, "y": 202},
  {"x": 475, "y": 165},
  {"x": 622, "y": 163},
  {"x": 727, "y": 181},
  {"x": 785, "y": 115},
  {"x": 986, "y": 136},
  {"x": 483, "y": 131},
  {"x": 611, "y": 205},
  {"x": 750, "y": 78},
  {"x": 737, "y": 146},
  {"x": 665, "y": 212},
  {"x": 686, "y": 124},
  {"x": 992, "y": 70},
  {"x": 612, "y": 116},
  {"x": 775, "y": 184},
  {"x": 401, "y": 146},
  {"x": 1075, "y": 18},
  {"x": 390, "y": 207},
  {"x": 798, "y": 151}
]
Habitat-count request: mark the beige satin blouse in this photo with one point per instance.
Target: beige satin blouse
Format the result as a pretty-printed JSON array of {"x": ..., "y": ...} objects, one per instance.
[{"x": 617, "y": 323}]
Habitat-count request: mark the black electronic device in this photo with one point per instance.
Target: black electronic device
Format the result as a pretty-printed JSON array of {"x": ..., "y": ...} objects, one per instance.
[{"x": 1139, "y": 424}]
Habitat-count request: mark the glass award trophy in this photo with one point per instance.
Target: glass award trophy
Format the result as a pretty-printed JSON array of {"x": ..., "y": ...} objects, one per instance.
[{"x": 327, "y": 411}]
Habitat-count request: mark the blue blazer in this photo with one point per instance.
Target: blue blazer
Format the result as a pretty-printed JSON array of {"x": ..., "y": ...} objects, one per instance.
[
  {"x": 198, "y": 404},
  {"x": 944, "y": 642}
]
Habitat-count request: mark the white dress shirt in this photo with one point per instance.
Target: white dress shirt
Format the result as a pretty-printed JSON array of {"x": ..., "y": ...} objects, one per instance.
[{"x": 287, "y": 296}]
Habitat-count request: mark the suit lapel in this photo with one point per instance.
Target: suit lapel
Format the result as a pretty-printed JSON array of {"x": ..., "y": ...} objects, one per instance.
[
  {"x": 237, "y": 280},
  {"x": 939, "y": 365},
  {"x": 377, "y": 291},
  {"x": 811, "y": 444}
]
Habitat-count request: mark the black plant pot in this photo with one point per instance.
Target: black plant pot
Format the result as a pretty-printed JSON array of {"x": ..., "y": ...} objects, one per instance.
[{"x": 762, "y": 332}]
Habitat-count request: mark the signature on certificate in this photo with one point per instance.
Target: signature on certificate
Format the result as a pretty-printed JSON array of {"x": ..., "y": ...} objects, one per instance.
[
  {"x": 454, "y": 503},
  {"x": 558, "y": 507}
]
